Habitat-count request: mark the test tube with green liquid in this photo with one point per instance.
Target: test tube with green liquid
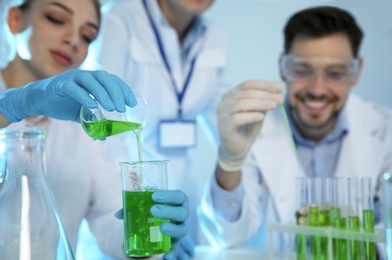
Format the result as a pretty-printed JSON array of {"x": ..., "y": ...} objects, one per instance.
[
  {"x": 339, "y": 187},
  {"x": 353, "y": 217},
  {"x": 324, "y": 214},
  {"x": 334, "y": 211},
  {"x": 301, "y": 216},
  {"x": 368, "y": 216},
  {"x": 314, "y": 198}
]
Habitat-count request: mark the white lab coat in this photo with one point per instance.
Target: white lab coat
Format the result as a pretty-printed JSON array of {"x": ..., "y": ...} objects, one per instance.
[
  {"x": 126, "y": 46},
  {"x": 85, "y": 178},
  {"x": 269, "y": 177}
]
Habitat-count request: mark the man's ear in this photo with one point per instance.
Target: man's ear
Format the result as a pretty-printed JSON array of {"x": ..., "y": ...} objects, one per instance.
[{"x": 14, "y": 20}]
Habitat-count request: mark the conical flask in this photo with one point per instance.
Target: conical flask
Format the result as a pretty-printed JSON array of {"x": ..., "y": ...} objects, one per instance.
[{"x": 30, "y": 226}]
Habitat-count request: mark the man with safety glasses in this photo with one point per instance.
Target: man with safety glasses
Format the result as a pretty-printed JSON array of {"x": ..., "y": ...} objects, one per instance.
[{"x": 314, "y": 128}]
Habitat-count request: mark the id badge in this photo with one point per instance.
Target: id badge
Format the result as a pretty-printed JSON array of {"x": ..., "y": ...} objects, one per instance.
[{"x": 177, "y": 134}]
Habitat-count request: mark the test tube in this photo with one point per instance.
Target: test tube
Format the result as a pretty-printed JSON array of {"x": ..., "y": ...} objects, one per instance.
[
  {"x": 368, "y": 216},
  {"x": 386, "y": 180},
  {"x": 324, "y": 213},
  {"x": 301, "y": 216},
  {"x": 314, "y": 199},
  {"x": 339, "y": 187},
  {"x": 353, "y": 217}
]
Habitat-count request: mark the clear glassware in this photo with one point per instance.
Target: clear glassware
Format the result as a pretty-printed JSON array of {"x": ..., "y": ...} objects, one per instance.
[
  {"x": 142, "y": 235},
  {"x": 100, "y": 123},
  {"x": 29, "y": 221}
]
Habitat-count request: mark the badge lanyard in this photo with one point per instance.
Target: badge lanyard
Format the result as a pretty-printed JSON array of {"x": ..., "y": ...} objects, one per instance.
[{"x": 179, "y": 94}]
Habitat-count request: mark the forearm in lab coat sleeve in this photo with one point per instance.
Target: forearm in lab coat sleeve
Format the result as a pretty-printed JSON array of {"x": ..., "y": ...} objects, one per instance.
[{"x": 222, "y": 232}]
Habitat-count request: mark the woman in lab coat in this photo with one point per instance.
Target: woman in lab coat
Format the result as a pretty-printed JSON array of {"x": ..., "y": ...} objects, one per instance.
[
  {"x": 169, "y": 53},
  {"x": 327, "y": 132},
  {"x": 53, "y": 37}
]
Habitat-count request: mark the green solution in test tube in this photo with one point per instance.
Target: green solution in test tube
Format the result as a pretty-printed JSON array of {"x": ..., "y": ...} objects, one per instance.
[
  {"x": 314, "y": 198},
  {"x": 368, "y": 216},
  {"x": 338, "y": 218},
  {"x": 340, "y": 245},
  {"x": 301, "y": 216},
  {"x": 353, "y": 219},
  {"x": 324, "y": 214}
]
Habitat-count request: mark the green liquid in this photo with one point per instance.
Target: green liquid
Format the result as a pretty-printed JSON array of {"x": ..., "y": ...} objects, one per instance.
[
  {"x": 314, "y": 241},
  {"x": 334, "y": 213},
  {"x": 139, "y": 143},
  {"x": 324, "y": 221},
  {"x": 368, "y": 226},
  {"x": 355, "y": 246},
  {"x": 301, "y": 247},
  {"x": 339, "y": 245},
  {"x": 141, "y": 229},
  {"x": 104, "y": 128},
  {"x": 300, "y": 241}
]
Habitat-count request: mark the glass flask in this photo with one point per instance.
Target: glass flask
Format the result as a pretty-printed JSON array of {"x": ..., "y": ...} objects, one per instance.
[
  {"x": 30, "y": 226},
  {"x": 99, "y": 123}
]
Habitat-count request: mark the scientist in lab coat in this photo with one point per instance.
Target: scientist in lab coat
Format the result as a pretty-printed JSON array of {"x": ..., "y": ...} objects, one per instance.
[
  {"x": 42, "y": 87},
  {"x": 330, "y": 131},
  {"x": 176, "y": 59}
]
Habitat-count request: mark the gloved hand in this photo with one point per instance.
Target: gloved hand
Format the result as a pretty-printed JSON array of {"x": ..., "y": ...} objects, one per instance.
[
  {"x": 240, "y": 114},
  {"x": 172, "y": 205},
  {"x": 62, "y": 96}
]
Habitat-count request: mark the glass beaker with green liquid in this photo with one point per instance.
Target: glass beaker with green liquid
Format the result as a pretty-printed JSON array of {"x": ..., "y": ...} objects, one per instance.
[
  {"x": 142, "y": 235},
  {"x": 100, "y": 123}
]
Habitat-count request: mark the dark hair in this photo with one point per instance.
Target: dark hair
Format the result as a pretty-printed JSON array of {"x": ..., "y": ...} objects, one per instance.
[
  {"x": 322, "y": 21},
  {"x": 26, "y": 4}
]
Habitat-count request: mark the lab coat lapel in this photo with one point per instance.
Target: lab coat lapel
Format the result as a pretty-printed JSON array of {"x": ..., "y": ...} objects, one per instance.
[
  {"x": 355, "y": 158},
  {"x": 278, "y": 164}
]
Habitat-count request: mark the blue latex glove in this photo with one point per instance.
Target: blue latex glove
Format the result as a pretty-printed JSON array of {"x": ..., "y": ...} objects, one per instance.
[
  {"x": 62, "y": 96},
  {"x": 177, "y": 212}
]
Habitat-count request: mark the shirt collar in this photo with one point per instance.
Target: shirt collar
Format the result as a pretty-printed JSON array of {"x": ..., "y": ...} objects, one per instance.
[
  {"x": 196, "y": 29},
  {"x": 340, "y": 130}
]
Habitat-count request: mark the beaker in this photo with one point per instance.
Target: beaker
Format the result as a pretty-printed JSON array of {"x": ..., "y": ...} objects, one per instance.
[
  {"x": 99, "y": 123},
  {"x": 30, "y": 226},
  {"x": 142, "y": 234}
]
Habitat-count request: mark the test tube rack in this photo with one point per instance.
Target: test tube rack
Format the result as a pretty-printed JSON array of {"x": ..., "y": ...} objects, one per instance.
[{"x": 379, "y": 236}]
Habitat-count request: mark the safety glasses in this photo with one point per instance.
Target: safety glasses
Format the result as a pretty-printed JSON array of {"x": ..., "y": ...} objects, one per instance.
[{"x": 305, "y": 69}]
